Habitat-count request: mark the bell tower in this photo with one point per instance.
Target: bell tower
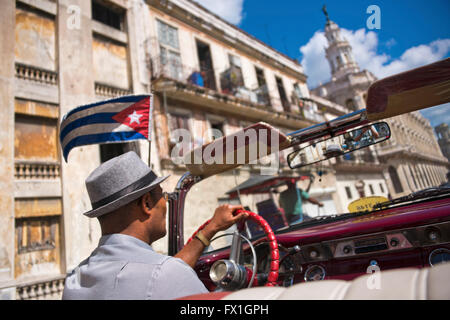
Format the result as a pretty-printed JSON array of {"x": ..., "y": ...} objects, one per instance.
[{"x": 339, "y": 52}]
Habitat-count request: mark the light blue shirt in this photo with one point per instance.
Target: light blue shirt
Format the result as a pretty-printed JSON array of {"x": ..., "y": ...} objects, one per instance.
[{"x": 124, "y": 267}]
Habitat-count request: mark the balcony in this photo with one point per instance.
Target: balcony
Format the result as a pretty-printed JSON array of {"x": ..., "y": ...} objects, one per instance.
[
  {"x": 37, "y": 84},
  {"x": 184, "y": 83}
]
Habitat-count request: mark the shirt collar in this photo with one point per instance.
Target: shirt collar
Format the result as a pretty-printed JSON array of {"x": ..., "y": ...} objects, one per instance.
[{"x": 118, "y": 238}]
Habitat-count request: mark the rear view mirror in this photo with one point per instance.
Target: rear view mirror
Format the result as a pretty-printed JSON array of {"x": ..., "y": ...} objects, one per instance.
[{"x": 339, "y": 145}]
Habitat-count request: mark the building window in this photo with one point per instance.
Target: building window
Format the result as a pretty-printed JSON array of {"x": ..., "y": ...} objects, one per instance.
[
  {"x": 36, "y": 233},
  {"x": 235, "y": 65},
  {"x": 395, "y": 179},
  {"x": 348, "y": 191},
  {"x": 167, "y": 35},
  {"x": 339, "y": 61},
  {"x": 177, "y": 122},
  {"x": 169, "y": 51},
  {"x": 108, "y": 15},
  {"x": 297, "y": 96},
  {"x": 171, "y": 63},
  {"x": 371, "y": 189},
  {"x": 216, "y": 127},
  {"x": 284, "y": 100},
  {"x": 262, "y": 93},
  {"x": 350, "y": 104},
  {"x": 297, "y": 91},
  {"x": 347, "y": 58},
  {"x": 206, "y": 65},
  {"x": 112, "y": 150},
  {"x": 381, "y": 188},
  {"x": 231, "y": 79}
]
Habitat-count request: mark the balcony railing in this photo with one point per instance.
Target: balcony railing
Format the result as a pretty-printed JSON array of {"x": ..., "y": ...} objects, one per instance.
[
  {"x": 36, "y": 74},
  {"x": 45, "y": 289},
  {"x": 104, "y": 90},
  {"x": 24, "y": 170}
]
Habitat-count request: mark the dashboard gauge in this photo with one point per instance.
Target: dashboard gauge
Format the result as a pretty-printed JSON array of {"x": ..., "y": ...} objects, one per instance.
[
  {"x": 315, "y": 273},
  {"x": 439, "y": 256}
]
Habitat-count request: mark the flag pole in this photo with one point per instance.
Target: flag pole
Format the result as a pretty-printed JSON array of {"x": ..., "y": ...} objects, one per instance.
[{"x": 150, "y": 126}]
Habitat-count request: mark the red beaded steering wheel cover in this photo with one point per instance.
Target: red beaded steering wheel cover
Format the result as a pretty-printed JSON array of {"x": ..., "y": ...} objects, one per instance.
[{"x": 273, "y": 244}]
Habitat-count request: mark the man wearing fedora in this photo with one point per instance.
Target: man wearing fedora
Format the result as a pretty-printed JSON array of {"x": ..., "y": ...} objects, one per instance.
[{"x": 130, "y": 205}]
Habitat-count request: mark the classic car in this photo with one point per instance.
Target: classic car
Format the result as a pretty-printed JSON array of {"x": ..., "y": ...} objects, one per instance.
[{"x": 411, "y": 232}]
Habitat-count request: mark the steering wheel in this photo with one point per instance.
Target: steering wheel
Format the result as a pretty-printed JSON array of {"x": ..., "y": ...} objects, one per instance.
[{"x": 228, "y": 274}]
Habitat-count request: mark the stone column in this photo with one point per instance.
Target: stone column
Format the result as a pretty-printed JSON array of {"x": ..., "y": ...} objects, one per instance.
[
  {"x": 406, "y": 176},
  {"x": 431, "y": 174},
  {"x": 419, "y": 177},
  {"x": 436, "y": 171},
  {"x": 7, "y": 71},
  {"x": 425, "y": 175},
  {"x": 443, "y": 170},
  {"x": 76, "y": 87}
]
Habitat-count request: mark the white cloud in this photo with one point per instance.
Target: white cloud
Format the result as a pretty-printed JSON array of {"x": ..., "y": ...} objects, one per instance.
[
  {"x": 314, "y": 62},
  {"x": 437, "y": 114},
  {"x": 390, "y": 43},
  {"x": 365, "y": 47},
  {"x": 230, "y": 10}
]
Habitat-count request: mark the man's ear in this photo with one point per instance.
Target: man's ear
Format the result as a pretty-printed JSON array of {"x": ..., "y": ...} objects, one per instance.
[{"x": 146, "y": 203}]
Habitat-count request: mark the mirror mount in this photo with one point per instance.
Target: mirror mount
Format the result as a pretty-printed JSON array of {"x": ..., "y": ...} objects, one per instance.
[{"x": 329, "y": 128}]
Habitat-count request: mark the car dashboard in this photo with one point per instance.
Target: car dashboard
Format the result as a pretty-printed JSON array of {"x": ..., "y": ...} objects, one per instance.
[{"x": 347, "y": 258}]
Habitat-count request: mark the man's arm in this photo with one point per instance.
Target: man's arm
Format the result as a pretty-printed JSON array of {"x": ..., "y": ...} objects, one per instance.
[
  {"x": 305, "y": 196},
  {"x": 223, "y": 219},
  {"x": 315, "y": 201}
]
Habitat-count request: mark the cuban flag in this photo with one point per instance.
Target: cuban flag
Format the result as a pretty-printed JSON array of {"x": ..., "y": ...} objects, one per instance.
[{"x": 121, "y": 119}]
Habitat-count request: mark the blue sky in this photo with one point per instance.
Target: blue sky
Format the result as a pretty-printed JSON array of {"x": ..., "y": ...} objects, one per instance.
[{"x": 412, "y": 33}]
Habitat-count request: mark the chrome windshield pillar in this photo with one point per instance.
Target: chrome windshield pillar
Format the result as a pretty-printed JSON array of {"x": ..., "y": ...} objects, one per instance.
[{"x": 176, "y": 212}]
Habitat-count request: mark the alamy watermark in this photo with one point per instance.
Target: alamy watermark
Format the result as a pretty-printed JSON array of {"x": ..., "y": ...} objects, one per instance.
[
  {"x": 74, "y": 19},
  {"x": 373, "y": 282},
  {"x": 374, "y": 20}
]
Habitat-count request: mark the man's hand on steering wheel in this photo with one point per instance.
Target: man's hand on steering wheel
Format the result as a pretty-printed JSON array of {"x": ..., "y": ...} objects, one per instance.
[
  {"x": 224, "y": 217},
  {"x": 229, "y": 274}
]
